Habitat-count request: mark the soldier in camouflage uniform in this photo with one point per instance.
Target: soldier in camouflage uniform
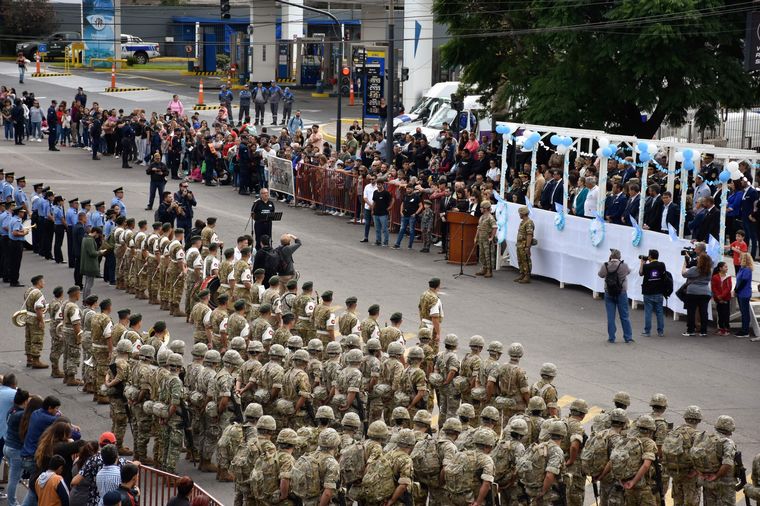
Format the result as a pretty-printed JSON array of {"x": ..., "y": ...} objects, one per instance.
[
  {"x": 121, "y": 234},
  {"x": 478, "y": 483},
  {"x": 545, "y": 389},
  {"x": 609, "y": 493},
  {"x": 324, "y": 319},
  {"x": 147, "y": 263},
  {"x": 425, "y": 337},
  {"x": 350, "y": 430},
  {"x": 249, "y": 372},
  {"x": 212, "y": 362},
  {"x": 164, "y": 292},
  {"x": 116, "y": 380},
  {"x": 510, "y": 382},
  {"x": 271, "y": 296},
  {"x": 413, "y": 382},
  {"x": 484, "y": 239},
  {"x": 101, "y": 329},
  {"x": 176, "y": 272},
  {"x": 156, "y": 383},
  {"x": 466, "y": 415},
  {"x": 401, "y": 465},
  {"x": 136, "y": 259},
  {"x": 634, "y": 474},
  {"x": 505, "y": 455},
  {"x": 225, "y": 269},
  {"x": 348, "y": 395},
  {"x": 431, "y": 310},
  {"x": 200, "y": 317},
  {"x": 151, "y": 263},
  {"x": 208, "y": 236},
  {"x": 173, "y": 395},
  {"x": 257, "y": 292},
  {"x": 293, "y": 344},
  {"x": 194, "y": 275},
  {"x": 545, "y": 493},
  {"x": 447, "y": 365},
  {"x": 427, "y": 220},
  {"x": 141, "y": 374},
  {"x": 240, "y": 279},
  {"x": 270, "y": 378},
  {"x": 237, "y": 324},
  {"x": 489, "y": 367},
  {"x": 370, "y": 368},
  {"x": 392, "y": 333},
  {"x": 296, "y": 389},
  {"x": 329, "y": 469},
  {"x": 470, "y": 371},
  {"x": 718, "y": 484},
  {"x": 234, "y": 437},
  {"x": 369, "y": 328},
  {"x": 88, "y": 373},
  {"x": 72, "y": 336},
  {"x": 659, "y": 404},
  {"x": 55, "y": 315},
  {"x": 348, "y": 322},
  {"x": 34, "y": 323},
  {"x": 314, "y": 369},
  {"x": 222, "y": 392},
  {"x": 571, "y": 446},
  {"x": 289, "y": 297},
  {"x": 445, "y": 450},
  {"x": 331, "y": 366},
  {"x": 283, "y": 334},
  {"x": 685, "y": 489},
  {"x": 391, "y": 370},
  {"x": 218, "y": 319},
  {"x": 751, "y": 490},
  {"x": 533, "y": 416},
  {"x": 303, "y": 308},
  {"x": 254, "y": 449},
  {"x": 261, "y": 328},
  {"x": 525, "y": 235}
]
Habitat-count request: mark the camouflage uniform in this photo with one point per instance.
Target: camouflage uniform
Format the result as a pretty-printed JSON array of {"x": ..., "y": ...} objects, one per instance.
[
  {"x": 151, "y": 280},
  {"x": 610, "y": 494},
  {"x": 555, "y": 464},
  {"x": 172, "y": 394},
  {"x": 249, "y": 371},
  {"x": 175, "y": 273},
  {"x": 390, "y": 335},
  {"x": 232, "y": 438},
  {"x": 448, "y": 400},
  {"x": 141, "y": 375},
  {"x": 329, "y": 475},
  {"x": 295, "y": 384},
  {"x": 511, "y": 382},
  {"x": 193, "y": 280},
  {"x": 200, "y": 317},
  {"x": 349, "y": 380},
  {"x": 261, "y": 330},
  {"x": 55, "y": 313},
  {"x": 369, "y": 329},
  {"x": 72, "y": 344},
  {"x": 547, "y": 391},
  {"x": 330, "y": 371},
  {"x": 370, "y": 369},
  {"x": 721, "y": 492},
  {"x": 391, "y": 371},
  {"x": 483, "y": 464},
  {"x": 164, "y": 287},
  {"x": 137, "y": 262},
  {"x": 34, "y": 336},
  {"x": 225, "y": 269},
  {"x": 429, "y": 307},
  {"x": 524, "y": 263},
  {"x": 218, "y": 321},
  {"x": 119, "y": 416},
  {"x": 286, "y": 302},
  {"x": 685, "y": 489},
  {"x": 323, "y": 321},
  {"x": 200, "y": 420},
  {"x": 486, "y": 224},
  {"x": 427, "y": 219},
  {"x": 348, "y": 323},
  {"x": 470, "y": 370},
  {"x": 752, "y": 490},
  {"x": 237, "y": 325},
  {"x": 576, "y": 485},
  {"x": 160, "y": 375},
  {"x": 121, "y": 249},
  {"x": 412, "y": 381},
  {"x": 505, "y": 456},
  {"x": 303, "y": 308},
  {"x": 270, "y": 376},
  {"x": 241, "y": 274},
  {"x": 641, "y": 494},
  {"x": 281, "y": 336},
  {"x": 101, "y": 329}
]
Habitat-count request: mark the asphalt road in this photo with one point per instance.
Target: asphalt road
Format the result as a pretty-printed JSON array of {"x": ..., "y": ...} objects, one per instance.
[{"x": 564, "y": 326}]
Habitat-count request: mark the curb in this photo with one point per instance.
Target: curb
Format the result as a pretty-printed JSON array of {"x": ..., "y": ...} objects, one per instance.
[
  {"x": 314, "y": 94},
  {"x": 51, "y": 74},
  {"x": 119, "y": 90},
  {"x": 200, "y": 73}
]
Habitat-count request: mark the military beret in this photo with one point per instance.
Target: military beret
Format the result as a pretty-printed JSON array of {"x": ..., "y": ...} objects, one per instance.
[
  {"x": 274, "y": 280},
  {"x": 259, "y": 272},
  {"x": 307, "y": 285},
  {"x": 434, "y": 282},
  {"x": 156, "y": 225},
  {"x": 265, "y": 308},
  {"x": 123, "y": 313},
  {"x": 159, "y": 326},
  {"x": 73, "y": 289},
  {"x": 203, "y": 293},
  {"x": 92, "y": 299},
  {"x": 195, "y": 238},
  {"x": 374, "y": 308},
  {"x": 245, "y": 251},
  {"x": 396, "y": 317},
  {"x": 351, "y": 300},
  {"x": 327, "y": 295},
  {"x": 293, "y": 283},
  {"x": 223, "y": 298},
  {"x": 135, "y": 318},
  {"x": 239, "y": 304},
  {"x": 179, "y": 230}
]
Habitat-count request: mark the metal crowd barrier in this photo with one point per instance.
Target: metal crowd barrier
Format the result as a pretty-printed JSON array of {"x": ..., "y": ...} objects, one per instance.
[{"x": 157, "y": 487}]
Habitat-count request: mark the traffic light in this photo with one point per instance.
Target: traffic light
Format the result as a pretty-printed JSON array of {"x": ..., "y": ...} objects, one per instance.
[
  {"x": 345, "y": 80},
  {"x": 224, "y": 6},
  {"x": 404, "y": 73}
]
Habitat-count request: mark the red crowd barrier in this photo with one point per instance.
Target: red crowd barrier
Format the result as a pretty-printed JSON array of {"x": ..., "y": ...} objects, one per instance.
[{"x": 157, "y": 487}]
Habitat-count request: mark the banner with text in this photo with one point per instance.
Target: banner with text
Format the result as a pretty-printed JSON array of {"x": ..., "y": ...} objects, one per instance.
[
  {"x": 281, "y": 175},
  {"x": 98, "y": 22}
]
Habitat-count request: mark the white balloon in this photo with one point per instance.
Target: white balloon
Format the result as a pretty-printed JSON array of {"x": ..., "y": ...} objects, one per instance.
[
  {"x": 652, "y": 148},
  {"x": 521, "y": 140},
  {"x": 599, "y": 152},
  {"x": 733, "y": 167},
  {"x": 561, "y": 149},
  {"x": 527, "y": 133},
  {"x": 603, "y": 142},
  {"x": 735, "y": 173},
  {"x": 679, "y": 156},
  {"x": 697, "y": 155}
]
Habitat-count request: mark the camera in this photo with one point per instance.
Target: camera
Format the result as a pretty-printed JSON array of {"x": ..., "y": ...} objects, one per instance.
[
  {"x": 690, "y": 256},
  {"x": 643, "y": 257}
]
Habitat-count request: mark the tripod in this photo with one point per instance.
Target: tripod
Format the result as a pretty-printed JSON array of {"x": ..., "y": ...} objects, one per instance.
[{"x": 461, "y": 272}]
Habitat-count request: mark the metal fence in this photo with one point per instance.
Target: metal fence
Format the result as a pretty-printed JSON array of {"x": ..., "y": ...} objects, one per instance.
[
  {"x": 157, "y": 487},
  {"x": 738, "y": 129}
]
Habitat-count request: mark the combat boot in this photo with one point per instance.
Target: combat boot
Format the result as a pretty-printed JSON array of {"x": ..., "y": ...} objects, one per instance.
[
  {"x": 164, "y": 305},
  {"x": 89, "y": 388},
  {"x": 36, "y": 363},
  {"x": 72, "y": 381},
  {"x": 29, "y": 361},
  {"x": 206, "y": 466},
  {"x": 153, "y": 300},
  {"x": 101, "y": 399},
  {"x": 55, "y": 371},
  {"x": 481, "y": 272},
  {"x": 177, "y": 311},
  {"x": 525, "y": 279},
  {"x": 224, "y": 476},
  {"x": 519, "y": 278},
  {"x": 488, "y": 274}
]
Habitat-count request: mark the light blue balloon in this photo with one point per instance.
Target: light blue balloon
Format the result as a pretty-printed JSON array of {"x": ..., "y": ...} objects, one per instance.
[
  {"x": 502, "y": 129},
  {"x": 724, "y": 176},
  {"x": 645, "y": 157},
  {"x": 688, "y": 164},
  {"x": 529, "y": 145},
  {"x": 643, "y": 147},
  {"x": 566, "y": 141},
  {"x": 555, "y": 139},
  {"x": 535, "y": 137},
  {"x": 688, "y": 154},
  {"x": 608, "y": 151}
]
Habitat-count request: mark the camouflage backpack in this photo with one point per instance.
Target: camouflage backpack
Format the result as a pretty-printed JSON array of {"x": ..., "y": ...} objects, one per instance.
[
  {"x": 504, "y": 457},
  {"x": 676, "y": 449},
  {"x": 534, "y": 426},
  {"x": 595, "y": 454},
  {"x": 425, "y": 460},
  {"x": 459, "y": 471},
  {"x": 265, "y": 481},
  {"x": 353, "y": 460},
  {"x": 378, "y": 482},
  {"x": 706, "y": 452},
  {"x": 531, "y": 467},
  {"x": 241, "y": 464},
  {"x": 626, "y": 458},
  {"x": 305, "y": 481}
]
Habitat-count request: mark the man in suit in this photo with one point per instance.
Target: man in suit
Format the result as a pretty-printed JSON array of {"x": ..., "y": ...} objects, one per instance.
[
  {"x": 79, "y": 230},
  {"x": 52, "y": 121},
  {"x": 652, "y": 209},
  {"x": 710, "y": 225},
  {"x": 633, "y": 205},
  {"x": 553, "y": 191},
  {"x": 749, "y": 198},
  {"x": 668, "y": 214},
  {"x": 616, "y": 204}
]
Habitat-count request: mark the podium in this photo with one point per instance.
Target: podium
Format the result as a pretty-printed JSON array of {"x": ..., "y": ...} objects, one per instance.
[{"x": 462, "y": 230}]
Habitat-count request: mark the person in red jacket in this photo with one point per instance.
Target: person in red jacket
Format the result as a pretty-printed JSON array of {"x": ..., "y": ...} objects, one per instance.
[{"x": 721, "y": 289}]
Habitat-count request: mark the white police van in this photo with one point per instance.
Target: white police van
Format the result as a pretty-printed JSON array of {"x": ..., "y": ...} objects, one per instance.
[{"x": 136, "y": 47}]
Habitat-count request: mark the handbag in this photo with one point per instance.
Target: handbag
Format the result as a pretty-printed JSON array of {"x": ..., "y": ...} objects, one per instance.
[{"x": 681, "y": 292}]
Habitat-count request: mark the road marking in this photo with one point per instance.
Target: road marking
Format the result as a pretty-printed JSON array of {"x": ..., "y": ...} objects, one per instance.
[
  {"x": 565, "y": 400},
  {"x": 155, "y": 79},
  {"x": 592, "y": 412}
]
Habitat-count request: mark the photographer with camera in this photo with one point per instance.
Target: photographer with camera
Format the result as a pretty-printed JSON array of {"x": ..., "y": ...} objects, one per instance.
[
  {"x": 167, "y": 211},
  {"x": 615, "y": 273},
  {"x": 653, "y": 289},
  {"x": 186, "y": 201},
  {"x": 157, "y": 171},
  {"x": 697, "y": 269}
]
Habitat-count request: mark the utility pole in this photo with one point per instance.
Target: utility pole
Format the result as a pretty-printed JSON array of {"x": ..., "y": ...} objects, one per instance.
[
  {"x": 390, "y": 72},
  {"x": 338, "y": 28}
]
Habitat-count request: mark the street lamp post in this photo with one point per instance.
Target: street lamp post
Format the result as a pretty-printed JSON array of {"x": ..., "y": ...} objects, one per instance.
[
  {"x": 390, "y": 72},
  {"x": 338, "y": 28}
]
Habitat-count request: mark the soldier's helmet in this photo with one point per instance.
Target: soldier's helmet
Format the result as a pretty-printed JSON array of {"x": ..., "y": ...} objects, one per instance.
[
  {"x": 580, "y": 406},
  {"x": 354, "y": 356},
  {"x": 400, "y": 413},
  {"x": 490, "y": 413},
  {"x": 325, "y": 412},
  {"x": 725, "y": 424},
  {"x": 395, "y": 349},
  {"x": 423, "y": 416},
  {"x": 295, "y": 342},
  {"x": 466, "y": 410},
  {"x": 558, "y": 428},
  {"x": 658, "y": 401},
  {"x": 198, "y": 350},
  {"x": 452, "y": 425},
  {"x": 516, "y": 350},
  {"x": 329, "y": 438},
  {"x": 255, "y": 347},
  {"x": 315, "y": 345},
  {"x": 477, "y": 341},
  {"x": 484, "y": 437},
  {"x": 495, "y": 347},
  {"x": 646, "y": 422},
  {"x": 213, "y": 357},
  {"x": 416, "y": 353},
  {"x": 549, "y": 370},
  {"x": 623, "y": 398},
  {"x": 289, "y": 437},
  {"x": 237, "y": 343},
  {"x": 302, "y": 356},
  {"x": 266, "y": 422},
  {"x": 277, "y": 350},
  {"x": 378, "y": 430},
  {"x": 124, "y": 346},
  {"x": 353, "y": 341},
  {"x": 333, "y": 348},
  {"x": 374, "y": 345},
  {"x": 451, "y": 340},
  {"x": 536, "y": 403},
  {"x": 618, "y": 415},
  {"x": 232, "y": 358},
  {"x": 177, "y": 346},
  {"x": 406, "y": 438},
  {"x": 352, "y": 420},
  {"x": 254, "y": 410},
  {"x": 147, "y": 351},
  {"x": 692, "y": 413},
  {"x": 519, "y": 426},
  {"x": 175, "y": 360}
]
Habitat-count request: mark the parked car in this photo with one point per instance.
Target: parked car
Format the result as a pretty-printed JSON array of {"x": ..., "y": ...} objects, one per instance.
[
  {"x": 56, "y": 43},
  {"x": 135, "y": 46}
]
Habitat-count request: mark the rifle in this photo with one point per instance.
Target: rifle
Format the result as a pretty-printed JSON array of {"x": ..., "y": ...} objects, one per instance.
[
  {"x": 406, "y": 498},
  {"x": 595, "y": 486},
  {"x": 236, "y": 409},
  {"x": 341, "y": 496},
  {"x": 740, "y": 473},
  {"x": 187, "y": 429},
  {"x": 359, "y": 405},
  {"x": 562, "y": 490},
  {"x": 492, "y": 499},
  {"x": 658, "y": 480},
  {"x": 310, "y": 412},
  {"x": 120, "y": 395},
  {"x": 297, "y": 501}
]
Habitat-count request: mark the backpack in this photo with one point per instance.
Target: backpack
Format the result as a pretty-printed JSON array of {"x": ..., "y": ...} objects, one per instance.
[
  {"x": 595, "y": 454},
  {"x": 667, "y": 284},
  {"x": 304, "y": 479},
  {"x": 531, "y": 466},
  {"x": 676, "y": 448},
  {"x": 459, "y": 471},
  {"x": 706, "y": 452},
  {"x": 379, "y": 481},
  {"x": 282, "y": 265},
  {"x": 426, "y": 463},
  {"x": 352, "y": 463},
  {"x": 241, "y": 464},
  {"x": 504, "y": 461},
  {"x": 272, "y": 261},
  {"x": 613, "y": 285},
  {"x": 265, "y": 481},
  {"x": 626, "y": 458}
]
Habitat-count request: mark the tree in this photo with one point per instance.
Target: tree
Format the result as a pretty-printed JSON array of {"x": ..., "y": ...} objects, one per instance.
[
  {"x": 26, "y": 19},
  {"x": 602, "y": 64}
]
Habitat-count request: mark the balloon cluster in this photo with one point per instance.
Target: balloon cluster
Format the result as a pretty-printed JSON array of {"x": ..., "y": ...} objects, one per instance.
[
  {"x": 730, "y": 171},
  {"x": 562, "y": 142},
  {"x": 529, "y": 140},
  {"x": 605, "y": 150},
  {"x": 505, "y": 129},
  {"x": 646, "y": 150},
  {"x": 687, "y": 157}
]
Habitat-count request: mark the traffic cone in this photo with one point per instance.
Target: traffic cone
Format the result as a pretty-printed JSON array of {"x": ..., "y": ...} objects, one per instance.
[
  {"x": 200, "y": 94},
  {"x": 351, "y": 93},
  {"x": 113, "y": 74},
  {"x": 37, "y": 57}
]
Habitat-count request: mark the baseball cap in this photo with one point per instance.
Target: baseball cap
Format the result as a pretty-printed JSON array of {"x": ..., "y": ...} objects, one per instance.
[{"x": 107, "y": 438}]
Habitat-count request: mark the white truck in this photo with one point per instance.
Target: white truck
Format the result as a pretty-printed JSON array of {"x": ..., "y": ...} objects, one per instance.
[{"x": 140, "y": 50}]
